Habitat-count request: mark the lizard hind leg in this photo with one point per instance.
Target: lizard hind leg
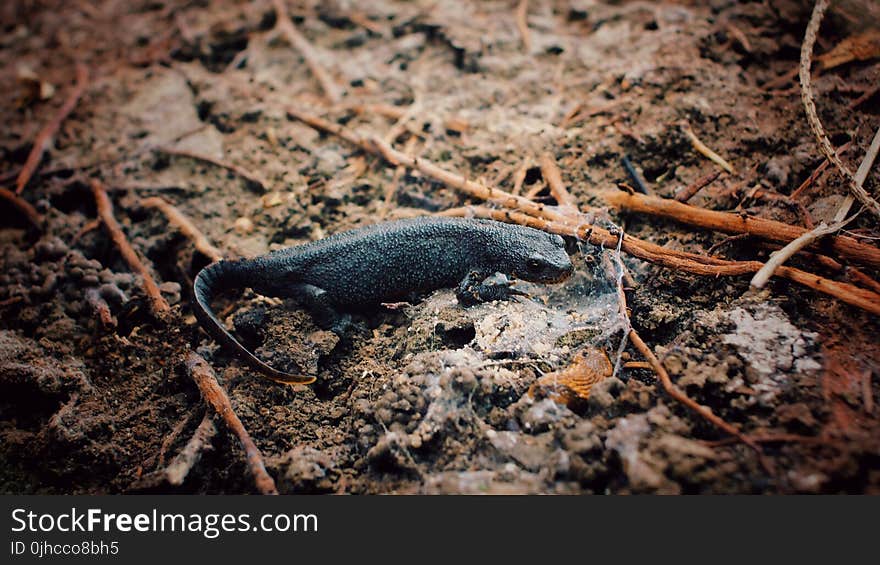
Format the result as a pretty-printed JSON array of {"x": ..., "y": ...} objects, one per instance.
[
  {"x": 318, "y": 303},
  {"x": 207, "y": 282}
]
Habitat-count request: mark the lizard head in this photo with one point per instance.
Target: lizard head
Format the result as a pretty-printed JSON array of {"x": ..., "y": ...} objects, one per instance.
[{"x": 543, "y": 260}]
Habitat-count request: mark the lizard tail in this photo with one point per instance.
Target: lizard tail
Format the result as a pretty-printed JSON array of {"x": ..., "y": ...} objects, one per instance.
[{"x": 204, "y": 288}]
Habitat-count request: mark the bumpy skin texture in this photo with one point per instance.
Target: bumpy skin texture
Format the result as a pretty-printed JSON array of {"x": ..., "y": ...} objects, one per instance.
[{"x": 385, "y": 263}]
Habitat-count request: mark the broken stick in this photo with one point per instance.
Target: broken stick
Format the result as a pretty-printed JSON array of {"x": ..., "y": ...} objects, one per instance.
[
  {"x": 23, "y": 206},
  {"x": 215, "y": 396},
  {"x": 692, "y": 189},
  {"x": 181, "y": 222},
  {"x": 240, "y": 171},
  {"x": 856, "y": 189},
  {"x": 704, "y": 150},
  {"x": 522, "y": 24},
  {"x": 183, "y": 462},
  {"x": 105, "y": 213},
  {"x": 301, "y": 44},
  {"x": 842, "y": 246},
  {"x": 551, "y": 173},
  {"x": 44, "y": 138}
]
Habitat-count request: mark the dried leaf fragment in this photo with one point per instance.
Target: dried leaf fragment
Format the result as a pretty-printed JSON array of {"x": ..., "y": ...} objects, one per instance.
[
  {"x": 861, "y": 47},
  {"x": 574, "y": 383}
]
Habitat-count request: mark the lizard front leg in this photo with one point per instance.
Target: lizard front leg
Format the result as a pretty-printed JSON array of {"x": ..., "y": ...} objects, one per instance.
[{"x": 473, "y": 289}]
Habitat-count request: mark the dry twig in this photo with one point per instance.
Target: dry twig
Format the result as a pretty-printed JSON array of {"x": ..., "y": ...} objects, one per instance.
[
  {"x": 701, "y": 148},
  {"x": 550, "y": 172},
  {"x": 385, "y": 110},
  {"x": 818, "y": 172},
  {"x": 681, "y": 397},
  {"x": 778, "y": 258},
  {"x": 105, "y": 213},
  {"x": 740, "y": 37},
  {"x": 477, "y": 190},
  {"x": 171, "y": 438},
  {"x": 519, "y": 177},
  {"x": 216, "y": 397},
  {"x": 855, "y": 187},
  {"x": 183, "y": 462},
  {"x": 522, "y": 24},
  {"x": 181, "y": 222},
  {"x": 692, "y": 189},
  {"x": 23, "y": 206},
  {"x": 581, "y": 111},
  {"x": 240, "y": 171},
  {"x": 44, "y": 138},
  {"x": 842, "y": 246},
  {"x": 285, "y": 25}
]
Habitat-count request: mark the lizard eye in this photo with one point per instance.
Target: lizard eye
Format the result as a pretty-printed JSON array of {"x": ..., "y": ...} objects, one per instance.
[{"x": 533, "y": 264}]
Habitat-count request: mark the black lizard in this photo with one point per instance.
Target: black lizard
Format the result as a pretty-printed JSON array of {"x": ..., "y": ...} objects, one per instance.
[{"x": 384, "y": 263}]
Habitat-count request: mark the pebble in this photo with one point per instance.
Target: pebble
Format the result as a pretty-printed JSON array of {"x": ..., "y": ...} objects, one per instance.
[{"x": 244, "y": 225}]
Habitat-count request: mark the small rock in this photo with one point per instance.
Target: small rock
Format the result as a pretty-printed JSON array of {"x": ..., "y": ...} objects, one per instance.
[
  {"x": 272, "y": 199},
  {"x": 244, "y": 225}
]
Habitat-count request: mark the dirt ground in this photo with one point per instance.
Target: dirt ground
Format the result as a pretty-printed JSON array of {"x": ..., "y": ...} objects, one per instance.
[{"x": 430, "y": 397}]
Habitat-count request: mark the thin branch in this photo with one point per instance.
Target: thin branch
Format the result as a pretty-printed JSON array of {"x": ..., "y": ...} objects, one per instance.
[
  {"x": 856, "y": 188},
  {"x": 326, "y": 126},
  {"x": 778, "y": 258},
  {"x": 681, "y": 397},
  {"x": 818, "y": 172},
  {"x": 550, "y": 172},
  {"x": 469, "y": 187},
  {"x": 181, "y": 222},
  {"x": 378, "y": 147},
  {"x": 301, "y": 44},
  {"x": 105, "y": 213},
  {"x": 215, "y": 396},
  {"x": 858, "y": 276},
  {"x": 44, "y": 138},
  {"x": 701, "y": 148},
  {"x": 519, "y": 177},
  {"x": 522, "y": 24},
  {"x": 692, "y": 189},
  {"x": 183, "y": 462},
  {"x": 385, "y": 110},
  {"x": 240, "y": 171},
  {"x": 842, "y": 246},
  {"x": 23, "y": 206},
  {"x": 171, "y": 438},
  {"x": 581, "y": 111},
  {"x": 861, "y": 174}
]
